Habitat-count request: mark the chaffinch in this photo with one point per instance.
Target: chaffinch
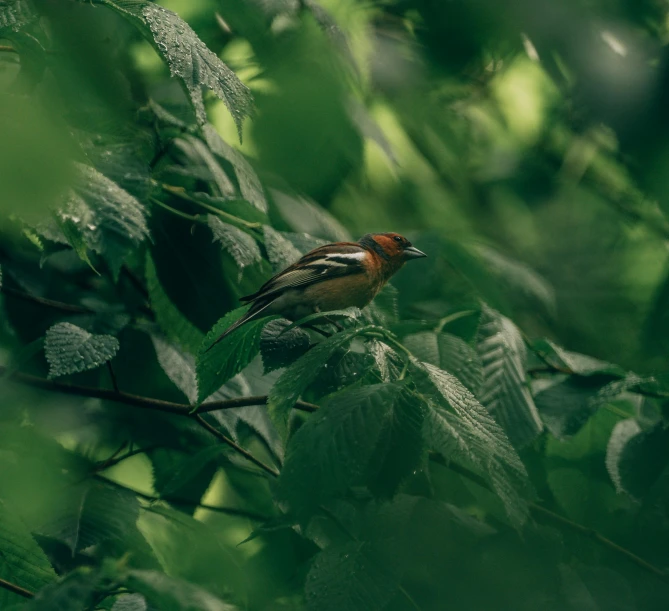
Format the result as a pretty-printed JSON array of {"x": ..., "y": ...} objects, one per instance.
[{"x": 330, "y": 277}]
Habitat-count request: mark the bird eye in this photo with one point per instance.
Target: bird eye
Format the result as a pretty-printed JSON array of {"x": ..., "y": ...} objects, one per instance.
[{"x": 397, "y": 238}]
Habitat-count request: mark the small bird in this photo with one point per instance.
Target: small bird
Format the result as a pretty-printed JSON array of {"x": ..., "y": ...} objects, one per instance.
[{"x": 330, "y": 277}]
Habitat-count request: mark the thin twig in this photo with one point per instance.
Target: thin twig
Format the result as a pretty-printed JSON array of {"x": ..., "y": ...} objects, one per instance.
[
  {"x": 12, "y": 587},
  {"x": 233, "y": 511},
  {"x": 50, "y": 303},
  {"x": 113, "y": 459},
  {"x": 112, "y": 375},
  {"x": 538, "y": 510},
  {"x": 214, "y": 431}
]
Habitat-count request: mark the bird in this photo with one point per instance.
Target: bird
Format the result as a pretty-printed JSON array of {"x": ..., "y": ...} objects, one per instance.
[{"x": 330, "y": 277}]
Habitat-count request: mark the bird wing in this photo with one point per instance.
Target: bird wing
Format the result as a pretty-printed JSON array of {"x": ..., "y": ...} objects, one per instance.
[{"x": 323, "y": 263}]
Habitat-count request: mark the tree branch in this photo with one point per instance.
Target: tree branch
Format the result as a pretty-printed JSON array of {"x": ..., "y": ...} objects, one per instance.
[
  {"x": 232, "y": 511},
  {"x": 12, "y": 587},
  {"x": 538, "y": 510},
  {"x": 49, "y": 303},
  {"x": 214, "y": 431}
]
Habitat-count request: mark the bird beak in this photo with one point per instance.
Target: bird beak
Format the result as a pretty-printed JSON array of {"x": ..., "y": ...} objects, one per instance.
[{"x": 413, "y": 253}]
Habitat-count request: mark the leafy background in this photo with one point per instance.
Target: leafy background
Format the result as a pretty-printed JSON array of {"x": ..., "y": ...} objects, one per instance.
[{"x": 489, "y": 434}]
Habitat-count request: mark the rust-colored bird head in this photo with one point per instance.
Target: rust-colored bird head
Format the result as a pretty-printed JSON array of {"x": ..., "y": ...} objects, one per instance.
[{"x": 391, "y": 246}]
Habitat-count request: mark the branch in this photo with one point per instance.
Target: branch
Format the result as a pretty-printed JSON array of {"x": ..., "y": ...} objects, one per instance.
[
  {"x": 50, "y": 303},
  {"x": 233, "y": 511},
  {"x": 12, "y": 587},
  {"x": 214, "y": 431},
  {"x": 538, "y": 510}
]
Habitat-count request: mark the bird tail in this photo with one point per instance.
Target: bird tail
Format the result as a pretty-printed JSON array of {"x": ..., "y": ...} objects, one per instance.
[{"x": 255, "y": 310}]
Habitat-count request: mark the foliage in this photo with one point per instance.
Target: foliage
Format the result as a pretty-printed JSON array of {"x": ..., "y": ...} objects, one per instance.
[{"x": 490, "y": 433}]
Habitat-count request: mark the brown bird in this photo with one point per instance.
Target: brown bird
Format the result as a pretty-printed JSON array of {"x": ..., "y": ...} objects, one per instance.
[{"x": 330, "y": 277}]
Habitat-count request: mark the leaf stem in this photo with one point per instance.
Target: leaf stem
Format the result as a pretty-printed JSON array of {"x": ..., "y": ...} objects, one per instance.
[
  {"x": 12, "y": 587},
  {"x": 194, "y": 219},
  {"x": 49, "y": 303}
]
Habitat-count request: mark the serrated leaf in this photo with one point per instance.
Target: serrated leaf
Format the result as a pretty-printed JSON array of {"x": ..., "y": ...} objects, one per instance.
[
  {"x": 129, "y": 602},
  {"x": 249, "y": 184},
  {"x": 292, "y": 382},
  {"x": 368, "y": 435},
  {"x": 75, "y": 239},
  {"x": 349, "y": 577},
  {"x": 110, "y": 221},
  {"x": 22, "y": 561},
  {"x": 14, "y": 14},
  {"x": 468, "y": 434},
  {"x": 279, "y": 349},
  {"x": 388, "y": 363},
  {"x": 90, "y": 513},
  {"x": 280, "y": 252},
  {"x": 505, "y": 391},
  {"x": 580, "y": 364},
  {"x": 190, "y": 60},
  {"x": 198, "y": 153},
  {"x": 239, "y": 244},
  {"x": 170, "y": 594},
  {"x": 172, "y": 322},
  {"x": 450, "y": 353},
  {"x": 177, "y": 365},
  {"x": 71, "y": 349},
  {"x": 228, "y": 357},
  {"x": 623, "y": 432}
]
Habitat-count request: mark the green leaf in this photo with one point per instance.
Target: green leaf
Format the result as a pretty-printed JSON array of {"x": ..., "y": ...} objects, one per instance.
[
  {"x": 75, "y": 592},
  {"x": 450, "y": 353},
  {"x": 350, "y": 577},
  {"x": 299, "y": 375},
  {"x": 466, "y": 433},
  {"x": 129, "y": 602},
  {"x": 22, "y": 561},
  {"x": 623, "y": 433},
  {"x": 90, "y": 513},
  {"x": 239, "y": 244},
  {"x": 178, "y": 366},
  {"x": 505, "y": 390},
  {"x": 190, "y": 60},
  {"x": 75, "y": 239},
  {"x": 280, "y": 252},
  {"x": 580, "y": 364},
  {"x": 15, "y": 14},
  {"x": 198, "y": 154},
  {"x": 170, "y": 594},
  {"x": 228, "y": 357},
  {"x": 249, "y": 184},
  {"x": 71, "y": 349},
  {"x": 110, "y": 220},
  {"x": 173, "y": 323},
  {"x": 369, "y": 435},
  {"x": 189, "y": 469},
  {"x": 279, "y": 348}
]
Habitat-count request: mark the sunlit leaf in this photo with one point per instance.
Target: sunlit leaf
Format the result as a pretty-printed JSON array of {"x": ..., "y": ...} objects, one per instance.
[{"x": 280, "y": 251}]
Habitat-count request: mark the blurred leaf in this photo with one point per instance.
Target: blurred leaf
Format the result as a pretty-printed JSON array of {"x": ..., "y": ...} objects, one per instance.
[
  {"x": 170, "y": 594},
  {"x": 173, "y": 323},
  {"x": 466, "y": 433},
  {"x": 294, "y": 380},
  {"x": 179, "y": 367},
  {"x": 198, "y": 153},
  {"x": 15, "y": 14},
  {"x": 70, "y": 349},
  {"x": 188, "y": 469},
  {"x": 130, "y": 602},
  {"x": 74, "y": 592},
  {"x": 349, "y": 577},
  {"x": 279, "y": 349},
  {"x": 90, "y": 513},
  {"x": 623, "y": 432},
  {"x": 505, "y": 389},
  {"x": 450, "y": 353},
  {"x": 22, "y": 561},
  {"x": 228, "y": 357},
  {"x": 580, "y": 364},
  {"x": 240, "y": 245}
]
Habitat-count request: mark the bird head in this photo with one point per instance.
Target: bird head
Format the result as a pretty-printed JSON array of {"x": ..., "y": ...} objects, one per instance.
[{"x": 391, "y": 246}]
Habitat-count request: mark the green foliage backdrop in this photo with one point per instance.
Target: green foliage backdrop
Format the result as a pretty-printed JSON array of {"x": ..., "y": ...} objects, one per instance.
[{"x": 490, "y": 433}]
